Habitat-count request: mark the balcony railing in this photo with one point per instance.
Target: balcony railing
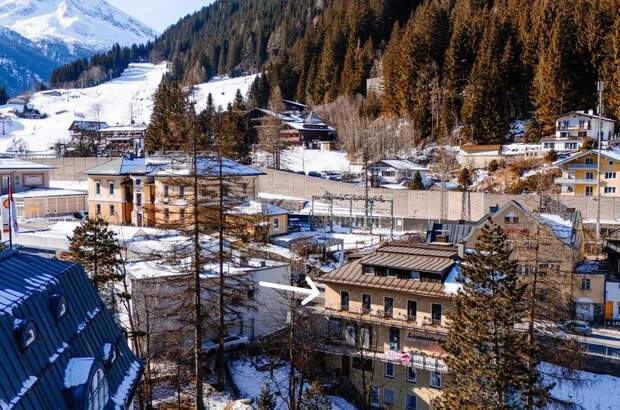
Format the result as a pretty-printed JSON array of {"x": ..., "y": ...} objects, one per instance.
[
  {"x": 574, "y": 181},
  {"x": 581, "y": 166},
  {"x": 574, "y": 127}
]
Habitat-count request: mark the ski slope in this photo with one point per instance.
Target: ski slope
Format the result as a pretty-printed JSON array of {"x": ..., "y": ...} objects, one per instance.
[{"x": 115, "y": 102}]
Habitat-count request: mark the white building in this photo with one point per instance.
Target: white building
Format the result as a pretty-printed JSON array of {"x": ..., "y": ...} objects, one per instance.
[
  {"x": 396, "y": 171},
  {"x": 572, "y": 128}
]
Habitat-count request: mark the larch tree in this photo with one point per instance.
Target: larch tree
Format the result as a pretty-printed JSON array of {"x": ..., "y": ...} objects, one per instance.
[{"x": 487, "y": 355}]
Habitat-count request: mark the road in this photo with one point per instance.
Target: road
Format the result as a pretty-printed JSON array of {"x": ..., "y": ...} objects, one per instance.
[{"x": 601, "y": 342}]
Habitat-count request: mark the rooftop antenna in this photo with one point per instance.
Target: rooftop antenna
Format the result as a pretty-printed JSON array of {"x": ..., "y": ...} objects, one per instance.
[{"x": 599, "y": 87}]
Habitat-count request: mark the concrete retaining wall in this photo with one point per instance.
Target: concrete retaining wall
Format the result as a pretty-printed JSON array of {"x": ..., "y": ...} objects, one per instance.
[{"x": 71, "y": 169}]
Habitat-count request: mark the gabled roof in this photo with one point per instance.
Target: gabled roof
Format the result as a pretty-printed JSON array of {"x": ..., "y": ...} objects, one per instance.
[
  {"x": 585, "y": 114},
  {"x": 10, "y": 163},
  {"x": 400, "y": 164},
  {"x": 609, "y": 153},
  {"x": 252, "y": 207},
  {"x": 454, "y": 232},
  {"x": 563, "y": 227},
  {"x": 34, "y": 292},
  {"x": 88, "y": 125},
  {"x": 120, "y": 166},
  {"x": 207, "y": 166}
]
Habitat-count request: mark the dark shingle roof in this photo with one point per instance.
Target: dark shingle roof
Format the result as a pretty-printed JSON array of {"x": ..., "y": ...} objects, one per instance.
[
  {"x": 33, "y": 377},
  {"x": 453, "y": 231}
]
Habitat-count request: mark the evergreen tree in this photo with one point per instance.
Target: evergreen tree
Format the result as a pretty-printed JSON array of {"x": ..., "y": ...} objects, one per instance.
[
  {"x": 4, "y": 95},
  {"x": 487, "y": 356},
  {"x": 95, "y": 247},
  {"x": 465, "y": 178},
  {"x": 416, "y": 183},
  {"x": 266, "y": 400},
  {"x": 167, "y": 127}
]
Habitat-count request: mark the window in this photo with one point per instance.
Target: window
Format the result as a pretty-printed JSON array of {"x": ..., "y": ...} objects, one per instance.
[
  {"x": 582, "y": 134},
  {"x": 111, "y": 209},
  {"x": 610, "y": 190},
  {"x": 166, "y": 214},
  {"x": 350, "y": 335},
  {"x": 388, "y": 396},
  {"x": 589, "y": 175},
  {"x": 375, "y": 393},
  {"x": 414, "y": 275},
  {"x": 369, "y": 269},
  {"x": 98, "y": 209},
  {"x": 181, "y": 191},
  {"x": 412, "y": 376},
  {"x": 610, "y": 163},
  {"x": 138, "y": 182},
  {"x": 276, "y": 223},
  {"x": 58, "y": 306},
  {"x": 586, "y": 284},
  {"x": 182, "y": 214},
  {"x": 138, "y": 199},
  {"x": 571, "y": 145},
  {"x": 589, "y": 161},
  {"x": 16, "y": 179},
  {"x": 436, "y": 380},
  {"x": 344, "y": 300},
  {"x": 366, "y": 303},
  {"x": 345, "y": 365},
  {"x": 166, "y": 191},
  {"x": 412, "y": 402},
  {"x": 334, "y": 328},
  {"x": 589, "y": 190},
  {"x": 412, "y": 310},
  {"x": 97, "y": 188},
  {"x": 394, "y": 339},
  {"x": 511, "y": 218},
  {"x": 366, "y": 337},
  {"x": 98, "y": 393},
  {"x": 111, "y": 188},
  {"x": 610, "y": 175},
  {"x": 388, "y": 307},
  {"x": 388, "y": 370},
  {"x": 436, "y": 314}
]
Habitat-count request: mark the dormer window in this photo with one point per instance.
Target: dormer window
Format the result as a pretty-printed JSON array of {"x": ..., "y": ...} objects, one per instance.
[
  {"x": 108, "y": 354},
  {"x": 369, "y": 269},
  {"x": 58, "y": 306},
  {"x": 415, "y": 275},
  {"x": 25, "y": 333}
]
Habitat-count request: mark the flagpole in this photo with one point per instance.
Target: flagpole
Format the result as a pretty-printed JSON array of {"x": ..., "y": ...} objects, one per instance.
[{"x": 10, "y": 217}]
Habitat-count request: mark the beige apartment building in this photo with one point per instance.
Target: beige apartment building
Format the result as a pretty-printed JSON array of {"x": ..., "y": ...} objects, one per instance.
[{"x": 386, "y": 319}]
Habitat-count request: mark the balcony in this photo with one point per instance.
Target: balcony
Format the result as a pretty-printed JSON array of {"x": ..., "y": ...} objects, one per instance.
[
  {"x": 378, "y": 318},
  {"x": 576, "y": 181},
  {"x": 582, "y": 166},
  {"x": 585, "y": 127}
]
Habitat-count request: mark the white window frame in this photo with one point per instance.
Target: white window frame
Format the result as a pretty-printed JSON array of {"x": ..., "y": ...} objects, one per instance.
[
  {"x": 413, "y": 380},
  {"x": 385, "y": 398},
  {"x": 440, "y": 378},
  {"x": 375, "y": 396},
  {"x": 98, "y": 391},
  {"x": 415, "y": 401}
]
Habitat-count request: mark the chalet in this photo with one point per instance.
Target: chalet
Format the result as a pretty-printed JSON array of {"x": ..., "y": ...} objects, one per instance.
[
  {"x": 61, "y": 349},
  {"x": 571, "y": 129},
  {"x": 396, "y": 171},
  {"x": 580, "y": 173},
  {"x": 122, "y": 139},
  {"x": 79, "y": 126},
  {"x": 375, "y": 86}
]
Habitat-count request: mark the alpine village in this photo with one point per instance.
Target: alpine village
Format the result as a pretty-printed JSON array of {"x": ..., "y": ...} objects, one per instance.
[{"x": 310, "y": 205}]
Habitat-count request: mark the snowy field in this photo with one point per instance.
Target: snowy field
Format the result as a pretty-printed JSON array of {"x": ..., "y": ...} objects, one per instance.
[
  {"x": 306, "y": 160},
  {"x": 249, "y": 381},
  {"x": 115, "y": 102}
]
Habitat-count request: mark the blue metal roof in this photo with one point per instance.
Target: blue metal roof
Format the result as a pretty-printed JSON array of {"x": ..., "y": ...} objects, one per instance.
[{"x": 32, "y": 376}]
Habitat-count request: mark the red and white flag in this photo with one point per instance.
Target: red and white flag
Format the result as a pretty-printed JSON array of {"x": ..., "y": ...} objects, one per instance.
[{"x": 13, "y": 212}]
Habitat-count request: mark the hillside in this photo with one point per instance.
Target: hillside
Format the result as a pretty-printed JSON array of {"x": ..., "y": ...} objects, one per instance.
[{"x": 113, "y": 102}]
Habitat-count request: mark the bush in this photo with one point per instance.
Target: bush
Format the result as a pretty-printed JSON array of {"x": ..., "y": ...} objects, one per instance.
[
  {"x": 551, "y": 156},
  {"x": 493, "y": 165}
]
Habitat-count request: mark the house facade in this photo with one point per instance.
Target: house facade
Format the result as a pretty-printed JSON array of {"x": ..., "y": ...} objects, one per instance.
[
  {"x": 386, "y": 316},
  {"x": 578, "y": 125},
  {"x": 396, "y": 171},
  {"x": 552, "y": 243},
  {"x": 58, "y": 341},
  {"x": 122, "y": 139},
  {"x": 580, "y": 173}
]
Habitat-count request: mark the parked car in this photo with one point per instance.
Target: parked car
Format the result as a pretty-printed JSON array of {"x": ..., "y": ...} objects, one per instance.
[
  {"x": 314, "y": 174},
  {"x": 578, "y": 327},
  {"x": 301, "y": 173},
  {"x": 230, "y": 343},
  {"x": 80, "y": 215},
  {"x": 332, "y": 175}
]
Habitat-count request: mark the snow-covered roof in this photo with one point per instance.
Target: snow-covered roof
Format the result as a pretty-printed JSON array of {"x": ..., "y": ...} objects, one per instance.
[
  {"x": 401, "y": 164},
  {"x": 46, "y": 193},
  {"x": 124, "y": 128},
  {"x": 77, "y": 371},
  {"x": 585, "y": 114},
  {"x": 10, "y": 164},
  {"x": 253, "y": 207},
  {"x": 589, "y": 268},
  {"x": 609, "y": 153},
  {"x": 303, "y": 126},
  {"x": 208, "y": 167},
  {"x": 562, "y": 228}
]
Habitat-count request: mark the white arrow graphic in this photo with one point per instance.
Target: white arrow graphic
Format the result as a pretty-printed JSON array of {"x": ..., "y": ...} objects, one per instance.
[{"x": 312, "y": 293}]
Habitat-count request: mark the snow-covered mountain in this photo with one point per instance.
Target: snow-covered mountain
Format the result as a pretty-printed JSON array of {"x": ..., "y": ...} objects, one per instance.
[
  {"x": 21, "y": 62},
  {"x": 66, "y": 29}
]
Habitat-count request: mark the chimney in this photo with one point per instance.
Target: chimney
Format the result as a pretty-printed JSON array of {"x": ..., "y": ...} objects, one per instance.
[{"x": 493, "y": 209}]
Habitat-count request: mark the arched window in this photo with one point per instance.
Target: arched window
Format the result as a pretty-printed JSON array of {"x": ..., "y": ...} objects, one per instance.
[{"x": 98, "y": 393}]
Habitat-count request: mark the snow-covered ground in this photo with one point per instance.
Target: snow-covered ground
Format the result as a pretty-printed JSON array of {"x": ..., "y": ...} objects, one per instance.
[
  {"x": 587, "y": 391},
  {"x": 222, "y": 89},
  {"x": 249, "y": 381},
  {"x": 112, "y": 102},
  {"x": 115, "y": 102},
  {"x": 306, "y": 160}
]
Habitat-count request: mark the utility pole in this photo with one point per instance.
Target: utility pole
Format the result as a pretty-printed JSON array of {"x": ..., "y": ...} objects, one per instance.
[{"x": 599, "y": 86}]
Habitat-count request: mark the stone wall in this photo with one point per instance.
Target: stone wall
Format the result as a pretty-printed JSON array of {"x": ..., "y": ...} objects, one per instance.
[{"x": 71, "y": 169}]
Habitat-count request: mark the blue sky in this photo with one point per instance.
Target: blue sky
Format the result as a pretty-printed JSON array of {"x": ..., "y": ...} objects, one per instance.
[{"x": 159, "y": 14}]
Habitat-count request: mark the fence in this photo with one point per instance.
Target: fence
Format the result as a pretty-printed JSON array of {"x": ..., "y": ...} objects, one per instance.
[{"x": 427, "y": 204}]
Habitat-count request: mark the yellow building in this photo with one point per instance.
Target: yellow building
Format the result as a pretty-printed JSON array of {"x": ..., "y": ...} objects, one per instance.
[
  {"x": 580, "y": 173},
  {"x": 159, "y": 192},
  {"x": 387, "y": 317}
]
